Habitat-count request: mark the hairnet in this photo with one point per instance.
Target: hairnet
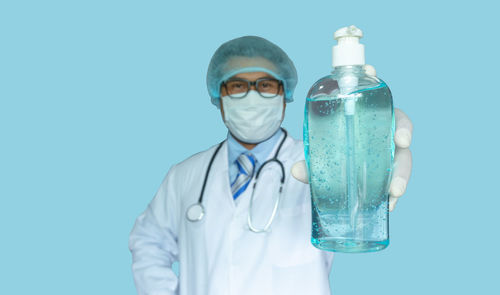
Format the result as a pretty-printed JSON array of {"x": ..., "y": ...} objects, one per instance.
[{"x": 250, "y": 54}]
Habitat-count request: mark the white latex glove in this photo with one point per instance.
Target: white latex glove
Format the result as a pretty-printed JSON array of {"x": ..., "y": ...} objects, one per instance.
[{"x": 402, "y": 156}]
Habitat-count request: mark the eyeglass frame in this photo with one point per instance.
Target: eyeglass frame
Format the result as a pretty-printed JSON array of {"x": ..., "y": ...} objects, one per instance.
[{"x": 250, "y": 84}]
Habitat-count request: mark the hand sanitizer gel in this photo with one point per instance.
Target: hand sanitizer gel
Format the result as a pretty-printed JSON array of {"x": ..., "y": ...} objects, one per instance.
[{"x": 349, "y": 149}]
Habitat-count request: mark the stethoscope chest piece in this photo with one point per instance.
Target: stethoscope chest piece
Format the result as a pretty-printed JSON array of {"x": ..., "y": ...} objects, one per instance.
[{"x": 195, "y": 212}]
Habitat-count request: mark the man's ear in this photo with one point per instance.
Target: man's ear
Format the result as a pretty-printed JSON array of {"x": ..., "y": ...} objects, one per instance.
[
  {"x": 221, "y": 110},
  {"x": 284, "y": 108}
]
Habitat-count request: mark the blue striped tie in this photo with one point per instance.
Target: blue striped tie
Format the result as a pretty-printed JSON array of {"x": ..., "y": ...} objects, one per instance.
[{"x": 246, "y": 164}]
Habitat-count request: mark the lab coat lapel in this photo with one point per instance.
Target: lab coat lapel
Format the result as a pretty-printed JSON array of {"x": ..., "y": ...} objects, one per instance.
[
  {"x": 218, "y": 182},
  {"x": 219, "y": 210}
]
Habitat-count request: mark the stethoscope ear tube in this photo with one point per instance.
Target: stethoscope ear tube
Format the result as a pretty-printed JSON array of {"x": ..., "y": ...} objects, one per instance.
[
  {"x": 276, "y": 204},
  {"x": 273, "y": 214},
  {"x": 200, "y": 199},
  {"x": 282, "y": 180},
  {"x": 196, "y": 211}
]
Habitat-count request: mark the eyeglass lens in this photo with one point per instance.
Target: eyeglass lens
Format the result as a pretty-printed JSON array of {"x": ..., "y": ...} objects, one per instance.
[{"x": 266, "y": 87}]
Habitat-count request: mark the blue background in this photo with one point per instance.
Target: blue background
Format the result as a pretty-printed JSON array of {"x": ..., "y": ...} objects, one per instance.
[{"x": 100, "y": 98}]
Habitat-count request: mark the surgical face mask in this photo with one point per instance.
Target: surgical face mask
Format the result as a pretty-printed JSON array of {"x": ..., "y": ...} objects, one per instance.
[{"x": 253, "y": 119}]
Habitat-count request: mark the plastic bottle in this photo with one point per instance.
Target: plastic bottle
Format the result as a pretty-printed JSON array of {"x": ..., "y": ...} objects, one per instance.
[{"x": 349, "y": 149}]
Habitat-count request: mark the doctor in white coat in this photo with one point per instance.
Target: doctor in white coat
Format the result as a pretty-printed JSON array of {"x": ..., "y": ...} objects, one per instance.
[{"x": 219, "y": 251}]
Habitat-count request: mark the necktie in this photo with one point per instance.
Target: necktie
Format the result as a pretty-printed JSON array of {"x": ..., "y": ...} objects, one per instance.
[{"x": 246, "y": 164}]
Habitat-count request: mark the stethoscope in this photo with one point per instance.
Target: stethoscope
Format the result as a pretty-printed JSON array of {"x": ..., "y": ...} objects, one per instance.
[{"x": 196, "y": 211}]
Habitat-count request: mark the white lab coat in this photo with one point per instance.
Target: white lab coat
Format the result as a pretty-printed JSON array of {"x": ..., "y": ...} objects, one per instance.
[{"x": 220, "y": 255}]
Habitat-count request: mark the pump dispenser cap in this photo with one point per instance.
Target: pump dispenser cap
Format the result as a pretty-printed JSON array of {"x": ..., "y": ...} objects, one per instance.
[{"x": 348, "y": 51}]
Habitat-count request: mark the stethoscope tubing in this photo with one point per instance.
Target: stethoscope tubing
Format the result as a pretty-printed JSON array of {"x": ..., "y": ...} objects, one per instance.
[{"x": 196, "y": 211}]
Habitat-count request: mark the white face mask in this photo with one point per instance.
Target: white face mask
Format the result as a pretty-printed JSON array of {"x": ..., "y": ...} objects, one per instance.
[{"x": 253, "y": 119}]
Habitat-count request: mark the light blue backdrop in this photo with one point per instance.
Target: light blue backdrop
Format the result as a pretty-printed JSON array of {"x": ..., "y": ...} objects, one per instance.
[{"x": 100, "y": 98}]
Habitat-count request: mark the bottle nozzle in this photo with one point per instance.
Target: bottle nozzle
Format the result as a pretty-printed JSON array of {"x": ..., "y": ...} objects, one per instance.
[
  {"x": 348, "y": 51},
  {"x": 350, "y": 32}
]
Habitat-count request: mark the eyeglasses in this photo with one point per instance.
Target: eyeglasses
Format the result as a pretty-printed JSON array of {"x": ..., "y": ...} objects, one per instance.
[{"x": 239, "y": 88}]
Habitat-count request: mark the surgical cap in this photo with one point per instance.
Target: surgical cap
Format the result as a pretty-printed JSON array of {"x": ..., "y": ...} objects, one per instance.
[{"x": 250, "y": 54}]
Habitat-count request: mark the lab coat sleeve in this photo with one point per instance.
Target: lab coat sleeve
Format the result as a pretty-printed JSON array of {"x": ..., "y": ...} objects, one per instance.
[{"x": 153, "y": 243}]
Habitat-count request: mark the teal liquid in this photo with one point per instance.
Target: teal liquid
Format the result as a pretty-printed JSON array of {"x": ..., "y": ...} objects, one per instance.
[{"x": 349, "y": 158}]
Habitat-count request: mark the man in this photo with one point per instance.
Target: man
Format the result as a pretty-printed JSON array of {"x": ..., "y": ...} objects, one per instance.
[{"x": 231, "y": 240}]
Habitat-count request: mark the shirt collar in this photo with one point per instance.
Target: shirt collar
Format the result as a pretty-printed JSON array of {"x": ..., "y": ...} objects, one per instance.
[{"x": 261, "y": 151}]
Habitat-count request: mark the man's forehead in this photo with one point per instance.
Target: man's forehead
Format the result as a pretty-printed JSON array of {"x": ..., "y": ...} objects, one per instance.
[
  {"x": 252, "y": 75},
  {"x": 241, "y": 62}
]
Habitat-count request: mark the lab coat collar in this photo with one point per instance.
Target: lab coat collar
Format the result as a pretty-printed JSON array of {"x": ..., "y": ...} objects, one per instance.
[
  {"x": 221, "y": 165},
  {"x": 261, "y": 151}
]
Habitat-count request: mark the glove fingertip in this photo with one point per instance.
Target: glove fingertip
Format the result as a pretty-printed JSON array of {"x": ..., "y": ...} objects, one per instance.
[
  {"x": 370, "y": 70},
  {"x": 392, "y": 203},
  {"x": 299, "y": 172},
  {"x": 402, "y": 138},
  {"x": 398, "y": 187}
]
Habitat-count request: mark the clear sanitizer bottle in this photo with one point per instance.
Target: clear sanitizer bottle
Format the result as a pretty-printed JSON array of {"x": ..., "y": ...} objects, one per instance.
[{"x": 349, "y": 150}]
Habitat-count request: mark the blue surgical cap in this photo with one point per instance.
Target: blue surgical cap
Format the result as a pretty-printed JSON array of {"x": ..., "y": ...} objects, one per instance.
[{"x": 250, "y": 54}]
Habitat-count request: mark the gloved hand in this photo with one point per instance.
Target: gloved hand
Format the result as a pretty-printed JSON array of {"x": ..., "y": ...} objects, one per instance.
[{"x": 402, "y": 156}]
